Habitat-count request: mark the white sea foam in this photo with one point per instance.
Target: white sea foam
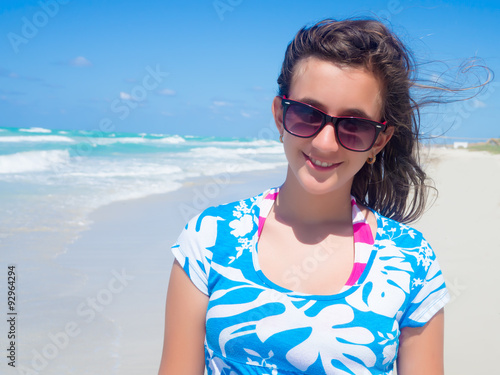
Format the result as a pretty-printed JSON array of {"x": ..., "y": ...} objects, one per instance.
[
  {"x": 110, "y": 141},
  {"x": 36, "y": 130},
  {"x": 215, "y": 152},
  {"x": 37, "y": 138},
  {"x": 172, "y": 139},
  {"x": 137, "y": 140},
  {"x": 33, "y": 161}
]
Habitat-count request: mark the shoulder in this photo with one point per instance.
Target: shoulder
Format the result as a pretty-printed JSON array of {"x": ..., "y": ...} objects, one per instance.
[
  {"x": 220, "y": 229},
  {"x": 214, "y": 231},
  {"x": 216, "y": 218},
  {"x": 403, "y": 256},
  {"x": 398, "y": 233},
  {"x": 237, "y": 208},
  {"x": 404, "y": 244}
]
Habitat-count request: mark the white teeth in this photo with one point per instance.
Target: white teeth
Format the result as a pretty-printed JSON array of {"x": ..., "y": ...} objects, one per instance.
[{"x": 321, "y": 163}]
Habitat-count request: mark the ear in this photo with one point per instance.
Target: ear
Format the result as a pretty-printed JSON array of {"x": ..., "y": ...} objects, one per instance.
[
  {"x": 277, "y": 109},
  {"x": 382, "y": 140}
]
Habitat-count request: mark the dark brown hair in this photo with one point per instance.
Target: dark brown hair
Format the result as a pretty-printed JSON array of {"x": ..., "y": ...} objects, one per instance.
[{"x": 395, "y": 185}]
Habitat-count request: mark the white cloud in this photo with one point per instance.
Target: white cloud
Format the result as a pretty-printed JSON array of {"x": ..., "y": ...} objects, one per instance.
[
  {"x": 476, "y": 103},
  {"x": 436, "y": 78},
  {"x": 427, "y": 35},
  {"x": 245, "y": 114},
  {"x": 166, "y": 92},
  {"x": 125, "y": 96},
  {"x": 80, "y": 61},
  {"x": 220, "y": 103}
]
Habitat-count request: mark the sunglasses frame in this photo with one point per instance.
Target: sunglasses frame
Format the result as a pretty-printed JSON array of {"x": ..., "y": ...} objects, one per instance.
[{"x": 379, "y": 126}]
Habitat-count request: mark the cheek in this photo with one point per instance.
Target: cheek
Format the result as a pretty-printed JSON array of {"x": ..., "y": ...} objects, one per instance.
[
  {"x": 289, "y": 153},
  {"x": 293, "y": 146}
]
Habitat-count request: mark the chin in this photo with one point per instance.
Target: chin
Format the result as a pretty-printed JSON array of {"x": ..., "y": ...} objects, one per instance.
[{"x": 328, "y": 186}]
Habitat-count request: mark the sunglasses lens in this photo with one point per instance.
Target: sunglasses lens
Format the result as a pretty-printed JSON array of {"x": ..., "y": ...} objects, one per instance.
[
  {"x": 302, "y": 120},
  {"x": 356, "y": 134}
]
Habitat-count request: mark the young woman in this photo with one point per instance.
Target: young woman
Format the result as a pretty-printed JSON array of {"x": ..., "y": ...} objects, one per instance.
[{"x": 320, "y": 275}]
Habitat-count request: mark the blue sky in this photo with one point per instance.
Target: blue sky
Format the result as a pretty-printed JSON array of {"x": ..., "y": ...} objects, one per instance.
[{"x": 206, "y": 67}]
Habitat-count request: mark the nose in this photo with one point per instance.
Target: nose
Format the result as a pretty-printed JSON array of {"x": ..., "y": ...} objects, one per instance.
[{"x": 326, "y": 139}]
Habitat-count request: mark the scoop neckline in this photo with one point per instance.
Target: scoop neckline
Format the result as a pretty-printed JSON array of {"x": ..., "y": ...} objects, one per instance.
[{"x": 291, "y": 293}]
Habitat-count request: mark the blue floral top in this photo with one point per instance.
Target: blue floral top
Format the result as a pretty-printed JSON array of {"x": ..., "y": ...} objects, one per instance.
[{"x": 254, "y": 326}]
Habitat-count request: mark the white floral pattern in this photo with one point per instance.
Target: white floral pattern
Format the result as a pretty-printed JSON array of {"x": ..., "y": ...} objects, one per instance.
[{"x": 254, "y": 327}]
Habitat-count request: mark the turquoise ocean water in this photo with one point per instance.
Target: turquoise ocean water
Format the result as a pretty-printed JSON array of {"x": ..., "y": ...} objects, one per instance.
[{"x": 50, "y": 180}]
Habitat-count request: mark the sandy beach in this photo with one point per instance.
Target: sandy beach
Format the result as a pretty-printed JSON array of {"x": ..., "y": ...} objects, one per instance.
[
  {"x": 113, "y": 320},
  {"x": 136, "y": 236},
  {"x": 462, "y": 226}
]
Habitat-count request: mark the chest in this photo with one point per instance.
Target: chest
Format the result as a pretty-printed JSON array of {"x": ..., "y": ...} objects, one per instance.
[{"x": 310, "y": 262}]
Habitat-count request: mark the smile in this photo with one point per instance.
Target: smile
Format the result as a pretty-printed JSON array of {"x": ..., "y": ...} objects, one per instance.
[{"x": 323, "y": 164}]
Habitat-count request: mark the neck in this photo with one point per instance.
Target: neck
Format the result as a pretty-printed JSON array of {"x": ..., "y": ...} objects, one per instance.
[{"x": 297, "y": 205}]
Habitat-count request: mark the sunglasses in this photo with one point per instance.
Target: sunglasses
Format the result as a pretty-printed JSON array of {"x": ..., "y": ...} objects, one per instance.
[{"x": 353, "y": 133}]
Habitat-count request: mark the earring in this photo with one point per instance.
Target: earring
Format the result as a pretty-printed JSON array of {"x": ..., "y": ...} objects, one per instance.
[
  {"x": 371, "y": 160},
  {"x": 281, "y": 138}
]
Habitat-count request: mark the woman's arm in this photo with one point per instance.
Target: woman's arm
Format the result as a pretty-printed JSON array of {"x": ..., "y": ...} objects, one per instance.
[
  {"x": 421, "y": 349},
  {"x": 183, "y": 350}
]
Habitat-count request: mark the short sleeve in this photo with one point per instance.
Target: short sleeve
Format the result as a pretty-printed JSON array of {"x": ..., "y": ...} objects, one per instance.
[
  {"x": 193, "y": 249},
  {"x": 428, "y": 293}
]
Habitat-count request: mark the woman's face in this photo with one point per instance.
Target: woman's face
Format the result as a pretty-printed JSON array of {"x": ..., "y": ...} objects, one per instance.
[{"x": 337, "y": 91}]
